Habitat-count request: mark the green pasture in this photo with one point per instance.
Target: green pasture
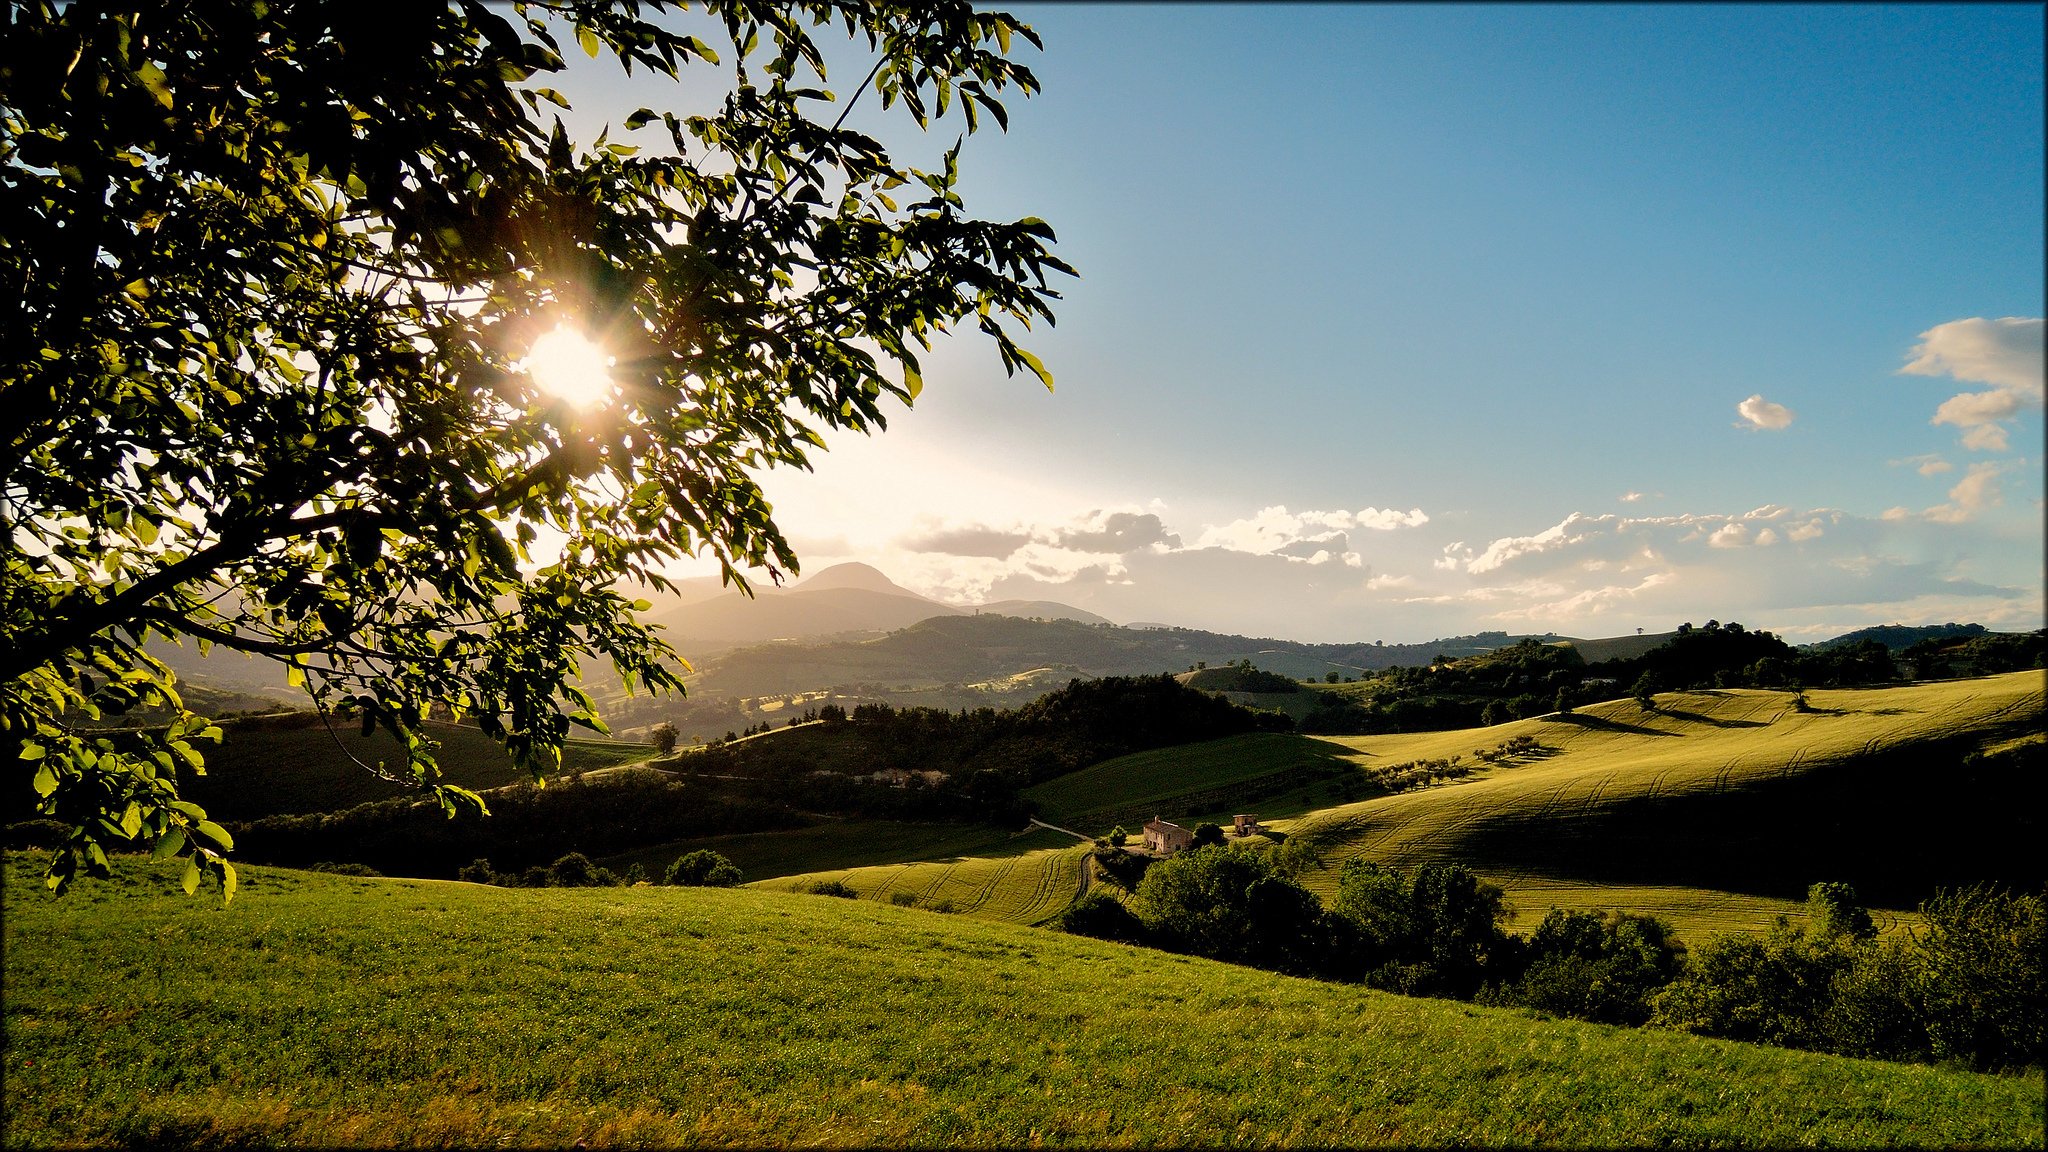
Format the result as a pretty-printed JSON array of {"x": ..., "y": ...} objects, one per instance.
[
  {"x": 329, "y": 1011},
  {"x": 1733, "y": 791},
  {"x": 1160, "y": 782},
  {"x": 1029, "y": 887}
]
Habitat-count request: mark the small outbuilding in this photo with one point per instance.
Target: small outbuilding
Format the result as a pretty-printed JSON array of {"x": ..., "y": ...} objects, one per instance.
[{"x": 1246, "y": 825}]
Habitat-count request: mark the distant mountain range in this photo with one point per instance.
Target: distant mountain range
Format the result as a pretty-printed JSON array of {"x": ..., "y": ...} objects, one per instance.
[{"x": 842, "y": 599}]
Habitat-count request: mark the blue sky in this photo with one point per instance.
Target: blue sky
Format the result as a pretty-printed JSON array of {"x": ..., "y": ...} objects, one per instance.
[{"x": 1397, "y": 322}]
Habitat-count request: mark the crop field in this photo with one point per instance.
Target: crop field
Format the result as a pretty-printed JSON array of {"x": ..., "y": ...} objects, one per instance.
[
  {"x": 1180, "y": 782},
  {"x": 843, "y": 844},
  {"x": 330, "y": 1011},
  {"x": 1732, "y": 791},
  {"x": 1025, "y": 888},
  {"x": 263, "y": 771}
]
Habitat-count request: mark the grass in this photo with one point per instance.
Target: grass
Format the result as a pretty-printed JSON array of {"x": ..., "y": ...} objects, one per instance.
[
  {"x": 1733, "y": 791},
  {"x": 1027, "y": 887},
  {"x": 1171, "y": 780},
  {"x": 331, "y": 1011},
  {"x": 1713, "y": 813}
]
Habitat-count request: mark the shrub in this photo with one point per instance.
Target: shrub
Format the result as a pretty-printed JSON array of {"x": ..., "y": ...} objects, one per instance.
[
  {"x": 1981, "y": 986},
  {"x": 534, "y": 877},
  {"x": 1597, "y": 966},
  {"x": 702, "y": 868},
  {"x": 343, "y": 869},
  {"x": 1873, "y": 1008},
  {"x": 1118, "y": 837},
  {"x": 1435, "y": 932},
  {"x": 903, "y": 899},
  {"x": 831, "y": 888},
  {"x": 1207, "y": 834},
  {"x": 571, "y": 870},
  {"x": 1772, "y": 989},
  {"x": 1103, "y": 917},
  {"x": 1233, "y": 905},
  {"x": 1833, "y": 910},
  {"x": 478, "y": 871}
]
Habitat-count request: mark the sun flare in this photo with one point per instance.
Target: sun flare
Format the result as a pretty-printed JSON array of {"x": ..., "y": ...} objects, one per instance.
[{"x": 568, "y": 364}]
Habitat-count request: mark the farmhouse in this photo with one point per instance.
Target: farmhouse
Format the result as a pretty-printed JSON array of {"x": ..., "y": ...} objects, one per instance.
[
  {"x": 1165, "y": 838},
  {"x": 1246, "y": 825}
]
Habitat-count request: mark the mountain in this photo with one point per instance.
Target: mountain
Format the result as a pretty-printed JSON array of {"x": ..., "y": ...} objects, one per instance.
[{"x": 1039, "y": 610}]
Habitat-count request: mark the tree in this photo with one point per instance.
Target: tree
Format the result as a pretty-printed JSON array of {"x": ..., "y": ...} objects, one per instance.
[
  {"x": 291, "y": 282},
  {"x": 1646, "y": 689},
  {"x": 664, "y": 736},
  {"x": 703, "y": 868},
  {"x": 1207, "y": 833}
]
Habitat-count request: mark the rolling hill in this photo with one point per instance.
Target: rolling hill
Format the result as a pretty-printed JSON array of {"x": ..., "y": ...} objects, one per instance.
[
  {"x": 329, "y": 1011},
  {"x": 1716, "y": 811}
]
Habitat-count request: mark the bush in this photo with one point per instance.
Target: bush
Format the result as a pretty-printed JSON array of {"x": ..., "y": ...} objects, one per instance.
[
  {"x": 1118, "y": 837},
  {"x": 1833, "y": 910},
  {"x": 1207, "y": 834},
  {"x": 702, "y": 868},
  {"x": 1872, "y": 1010},
  {"x": 1981, "y": 986},
  {"x": 343, "y": 869},
  {"x": 1597, "y": 966},
  {"x": 830, "y": 888},
  {"x": 1435, "y": 932},
  {"x": 1773, "y": 989},
  {"x": 1233, "y": 905},
  {"x": 571, "y": 870},
  {"x": 1103, "y": 917},
  {"x": 903, "y": 899},
  {"x": 478, "y": 871}
]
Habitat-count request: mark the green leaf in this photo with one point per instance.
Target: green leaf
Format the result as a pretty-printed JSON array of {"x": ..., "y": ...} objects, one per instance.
[
  {"x": 217, "y": 834},
  {"x": 191, "y": 880},
  {"x": 168, "y": 845},
  {"x": 588, "y": 38}
]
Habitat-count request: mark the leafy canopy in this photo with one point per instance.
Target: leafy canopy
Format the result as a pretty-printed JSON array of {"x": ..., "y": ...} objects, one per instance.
[{"x": 276, "y": 268}]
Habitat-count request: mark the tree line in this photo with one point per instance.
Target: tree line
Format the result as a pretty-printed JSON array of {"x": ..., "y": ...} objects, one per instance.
[{"x": 1966, "y": 986}]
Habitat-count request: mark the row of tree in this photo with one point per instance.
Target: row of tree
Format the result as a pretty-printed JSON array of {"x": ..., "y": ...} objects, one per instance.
[{"x": 1967, "y": 986}]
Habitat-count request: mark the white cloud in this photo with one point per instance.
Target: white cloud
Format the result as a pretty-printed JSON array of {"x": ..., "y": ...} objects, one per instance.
[
  {"x": 1381, "y": 583},
  {"x": 1389, "y": 518},
  {"x": 1762, "y": 414},
  {"x": 1734, "y": 534},
  {"x": 1276, "y": 531},
  {"x": 1631, "y": 497},
  {"x": 1811, "y": 530},
  {"x": 2004, "y": 353},
  {"x": 1976, "y": 491}
]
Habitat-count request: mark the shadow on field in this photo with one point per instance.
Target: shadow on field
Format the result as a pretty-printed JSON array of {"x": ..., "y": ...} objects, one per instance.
[
  {"x": 1602, "y": 724},
  {"x": 1715, "y": 721},
  {"x": 1895, "y": 825}
]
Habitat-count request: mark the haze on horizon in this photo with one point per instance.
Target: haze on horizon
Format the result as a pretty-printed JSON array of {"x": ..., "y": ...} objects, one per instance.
[{"x": 1403, "y": 322}]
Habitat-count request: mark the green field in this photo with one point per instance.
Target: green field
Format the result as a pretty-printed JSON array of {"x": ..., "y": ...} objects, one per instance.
[
  {"x": 1715, "y": 812},
  {"x": 1027, "y": 887},
  {"x": 1179, "y": 782},
  {"x": 1729, "y": 791},
  {"x": 331, "y": 1011}
]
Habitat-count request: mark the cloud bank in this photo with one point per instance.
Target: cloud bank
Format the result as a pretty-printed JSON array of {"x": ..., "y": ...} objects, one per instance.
[{"x": 2005, "y": 353}]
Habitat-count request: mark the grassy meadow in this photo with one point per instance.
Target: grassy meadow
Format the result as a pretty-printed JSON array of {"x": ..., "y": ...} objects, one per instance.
[
  {"x": 1731, "y": 790},
  {"x": 330, "y": 1011}
]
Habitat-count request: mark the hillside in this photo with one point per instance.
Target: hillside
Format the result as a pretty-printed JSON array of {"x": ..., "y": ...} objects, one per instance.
[
  {"x": 1730, "y": 790},
  {"x": 967, "y": 649},
  {"x": 1714, "y": 812},
  {"x": 320, "y": 1010}
]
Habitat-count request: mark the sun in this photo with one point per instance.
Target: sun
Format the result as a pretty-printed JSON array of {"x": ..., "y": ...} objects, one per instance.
[{"x": 568, "y": 364}]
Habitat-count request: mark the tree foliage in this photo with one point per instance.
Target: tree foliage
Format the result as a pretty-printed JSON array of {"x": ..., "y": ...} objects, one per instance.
[{"x": 276, "y": 269}]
